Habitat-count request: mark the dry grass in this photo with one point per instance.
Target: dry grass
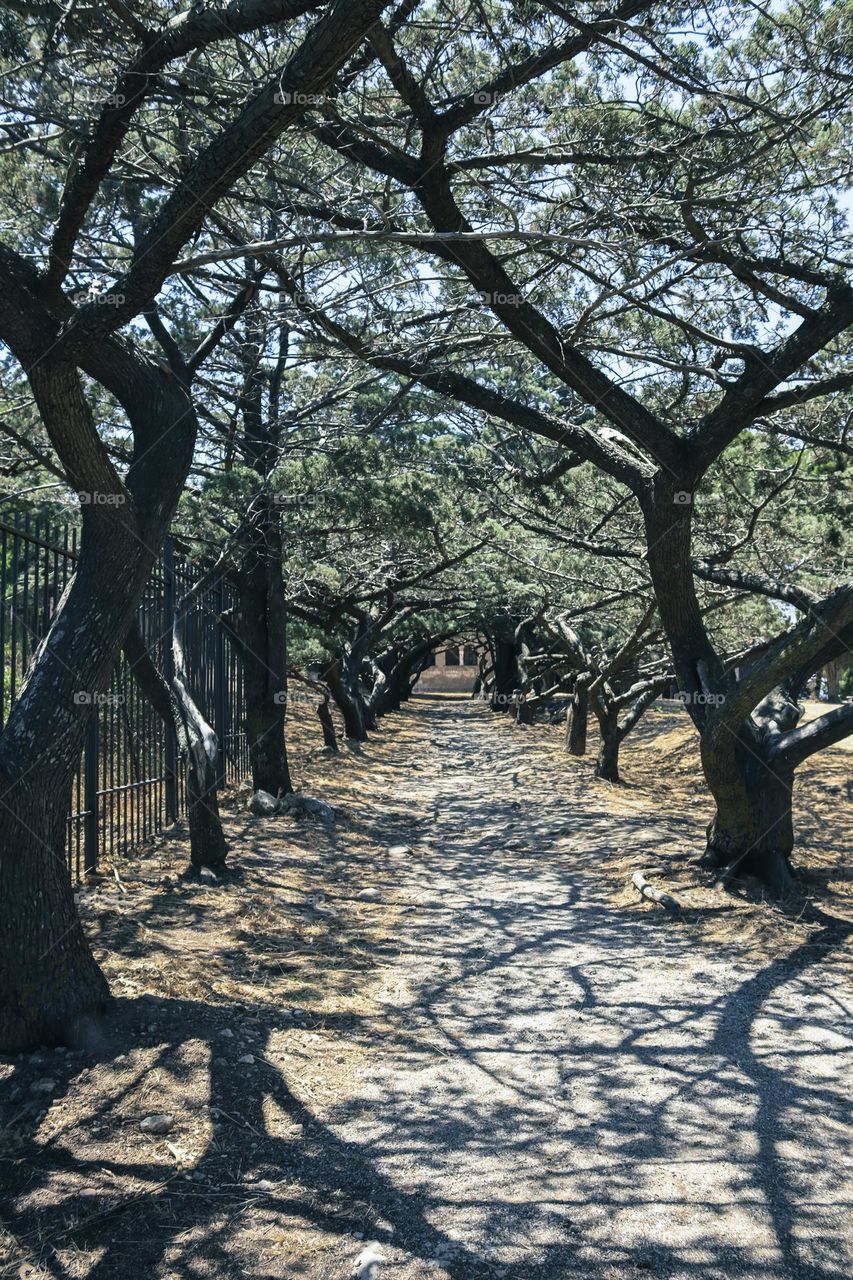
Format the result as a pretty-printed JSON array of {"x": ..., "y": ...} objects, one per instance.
[{"x": 663, "y": 776}]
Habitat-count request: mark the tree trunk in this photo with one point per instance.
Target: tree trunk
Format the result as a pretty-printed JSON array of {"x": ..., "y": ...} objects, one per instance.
[
  {"x": 505, "y": 674},
  {"x": 171, "y": 700},
  {"x": 207, "y": 839},
  {"x": 578, "y": 720},
  {"x": 330, "y": 738},
  {"x": 49, "y": 981},
  {"x": 351, "y": 706},
  {"x": 607, "y": 763},
  {"x": 262, "y": 633},
  {"x": 832, "y": 673},
  {"x": 48, "y": 977},
  {"x": 752, "y": 832}
]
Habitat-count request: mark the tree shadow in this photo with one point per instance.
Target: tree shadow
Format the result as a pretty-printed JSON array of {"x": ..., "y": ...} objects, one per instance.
[{"x": 556, "y": 1090}]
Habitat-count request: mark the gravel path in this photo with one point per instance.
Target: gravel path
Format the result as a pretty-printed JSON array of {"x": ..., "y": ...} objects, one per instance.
[
  {"x": 437, "y": 1027},
  {"x": 577, "y": 1091}
]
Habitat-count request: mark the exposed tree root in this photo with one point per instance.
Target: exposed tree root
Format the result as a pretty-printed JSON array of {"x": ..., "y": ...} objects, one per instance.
[{"x": 646, "y": 890}]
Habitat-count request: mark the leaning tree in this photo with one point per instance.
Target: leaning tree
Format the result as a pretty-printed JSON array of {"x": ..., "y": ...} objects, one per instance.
[{"x": 179, "y": 115}]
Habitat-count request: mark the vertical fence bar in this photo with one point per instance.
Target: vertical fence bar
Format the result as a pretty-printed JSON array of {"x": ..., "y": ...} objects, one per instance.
[
  {"x": 90, "y": 799},
  {"x": 3, "y": 556},
  {"x": 220, "y": 680},
  {"x": 171, "y": 752}
]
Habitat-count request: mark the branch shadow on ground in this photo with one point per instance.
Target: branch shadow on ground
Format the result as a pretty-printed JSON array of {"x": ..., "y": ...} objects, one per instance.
[{"x": 533, "y": 1091}]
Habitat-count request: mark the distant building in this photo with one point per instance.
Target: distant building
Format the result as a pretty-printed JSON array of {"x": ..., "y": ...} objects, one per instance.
[{"x": 451, "y": 670}]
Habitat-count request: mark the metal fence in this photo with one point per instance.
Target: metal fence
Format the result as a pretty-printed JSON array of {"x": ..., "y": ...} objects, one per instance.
[{"x": 128, "y": 785}]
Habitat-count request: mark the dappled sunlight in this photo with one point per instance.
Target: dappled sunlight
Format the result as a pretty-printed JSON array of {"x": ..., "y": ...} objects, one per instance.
[{"x": 488, "y": 1067}]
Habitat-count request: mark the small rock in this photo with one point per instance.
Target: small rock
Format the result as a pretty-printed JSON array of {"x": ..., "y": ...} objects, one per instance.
[
  {"x": 43, "y": 1086},
  {"x": 157, "y": 1124},
  {"x": 263, "y": 805},
  {"x": 264, "y": 1184},
  {"x": 369, "y": 895},
  {"x": 227, "y": 1033},
  {"x": 368, "y": 1262},
  {"x": 399, "y": 850},
  {"x": 247, "y": 1059},
  {"x": 297, "y": 806}
]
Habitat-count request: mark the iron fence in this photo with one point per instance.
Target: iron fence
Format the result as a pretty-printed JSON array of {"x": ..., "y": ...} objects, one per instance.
[{"x": 128, "y": 786}]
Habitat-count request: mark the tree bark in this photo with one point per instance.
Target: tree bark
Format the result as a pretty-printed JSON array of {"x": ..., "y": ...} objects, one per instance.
[
  {"x": 350, "y": 705},
  {"x": 607, "y": 762},
  {"x": 752, "y": 829},
  {"x": 48, "y": 977},
  {"x": 49, "y": 980},
  {"x": 173, "y": 703},
  {"x": 262, "y": 633},
  {"x": 576, "y": 730},
  {"x": 752, "y": 832},
  {"x": 505, "y": 673},
  {"x": 330, "y": 738}
]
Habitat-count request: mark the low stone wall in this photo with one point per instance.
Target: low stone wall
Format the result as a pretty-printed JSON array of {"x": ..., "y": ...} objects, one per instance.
[{"x": 446, "y": 680}]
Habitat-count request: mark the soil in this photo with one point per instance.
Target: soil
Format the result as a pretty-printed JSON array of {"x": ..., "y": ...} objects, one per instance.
[{"x": 498, "y": 1061}]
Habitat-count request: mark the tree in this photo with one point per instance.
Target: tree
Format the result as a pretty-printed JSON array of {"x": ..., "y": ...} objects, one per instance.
[
  {"x": 47, "y": 973},
  {"x": 650, "y": 259}
]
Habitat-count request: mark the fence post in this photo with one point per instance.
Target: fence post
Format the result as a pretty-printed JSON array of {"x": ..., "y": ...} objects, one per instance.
[
  {"x": 168, "y": 674},
  {"x": 220, "y": 682},
  {"x": 90, "y": 795}
]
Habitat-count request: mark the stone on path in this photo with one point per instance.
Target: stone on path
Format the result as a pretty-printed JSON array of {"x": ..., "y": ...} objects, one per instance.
[
  {"x": 157, "y": 1124},
  {"x": 297, "y": 806},
  {"x": 368, "y": 1262},
  {"x": 263, "y": 805}
]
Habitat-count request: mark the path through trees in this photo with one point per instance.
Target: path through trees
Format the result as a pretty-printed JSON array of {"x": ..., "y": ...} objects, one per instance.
[{"x": 449, "y": 1036}]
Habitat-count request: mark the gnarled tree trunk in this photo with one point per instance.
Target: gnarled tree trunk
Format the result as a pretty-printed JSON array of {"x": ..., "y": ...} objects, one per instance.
[
  {"x": 261, "y": 633},
  {"x": 197, "y": 746},
  {"x": 752, "y": 832},
  {"x": 576, "y": 730},
  {"x": 348, "y": 701},
  {"x": 610, "y": 739}
]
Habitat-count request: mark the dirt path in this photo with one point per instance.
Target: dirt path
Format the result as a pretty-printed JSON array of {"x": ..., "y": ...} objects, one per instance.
[
  {"x": 494, "y": 1071},
  {"x": 588, "y": 1093}
]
